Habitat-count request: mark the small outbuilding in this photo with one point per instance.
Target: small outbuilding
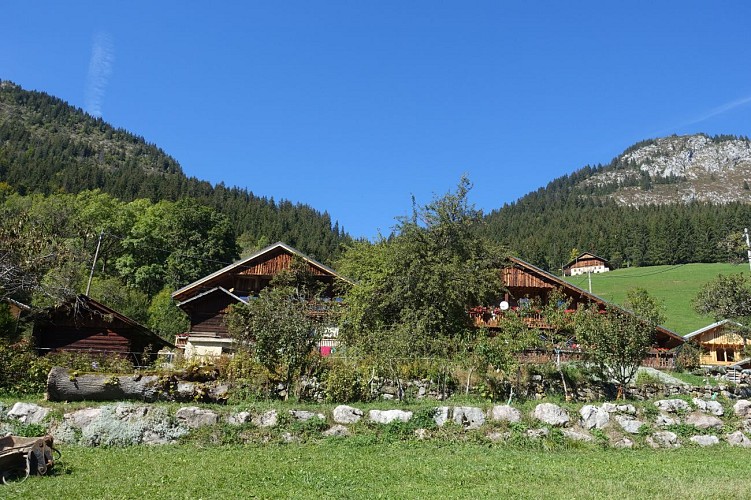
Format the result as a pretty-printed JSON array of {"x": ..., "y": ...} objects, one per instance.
[
  {"x": 82, "y": 324},
  {"x": 721, "y": 343}
]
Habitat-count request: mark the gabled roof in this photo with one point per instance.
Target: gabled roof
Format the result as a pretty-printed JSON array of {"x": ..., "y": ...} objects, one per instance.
[
  {"x": 594, "y": 298},
  {"x": 89, "y": 304},
  {"x": 246, "y": 262},
  {"x": 584, "y": 255},
  {"x": 212, "y": 291},
  {"x": 711, "y": 327},
  {"x": 20, "y": 305}
]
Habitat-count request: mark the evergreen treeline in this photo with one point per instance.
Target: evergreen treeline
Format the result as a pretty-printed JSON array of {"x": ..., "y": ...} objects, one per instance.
[
  {"x": 48, "y": 146},
  {"x": 544, "y": 227}
]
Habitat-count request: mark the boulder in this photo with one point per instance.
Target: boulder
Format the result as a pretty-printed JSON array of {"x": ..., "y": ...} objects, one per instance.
[
  {"x": 609, "y": 407},
  {"x": 337, "y": 430},
  {"x": 628, "y": 409},
  {"x": 703, "y": 421},
  {"x": 469, "y": 417},
  {"x": 705, "y": 440},
  {"x": 81, "y": 418},
  {"x": 538, "y": 433},
  {"x": 304, "y": 416},
  {"x": 239, "y": 418},
  {"x": 421, "y": 434},
  {"x": 593, "y": 417},
  {"x": 388, "y": 416},
  {"x": 742, "y": 408},
  {"x": 551, "y": 414},
  {"x": 711, "y": 407},
  {"x": 192, "y": 416},
  {"x": 663, "y": 420},
  {"x": 737, "y": 438},
  {"x": 624, "y": 443},
  {"x": 629, "y": 423},
  {"x": 673, "y": 405},
  {"x": 663, "y": 439},
  {"x": 344, "y": 414},
  {"x": 575, "y": 435},
  {"x": 441, "y": 415},
  {"x": 28, "y": 413},
  {"x": 505, "y": 413},
  {"x": 266, "y": 419}
]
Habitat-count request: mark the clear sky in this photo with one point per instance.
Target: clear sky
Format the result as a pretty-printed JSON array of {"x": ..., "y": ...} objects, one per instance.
[{"x": 355, "y": 106}]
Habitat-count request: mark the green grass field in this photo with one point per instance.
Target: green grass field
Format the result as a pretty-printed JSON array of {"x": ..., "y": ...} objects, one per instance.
[
  {"x": 676, "y": 286},
  {"x": 339, "y": 468}
]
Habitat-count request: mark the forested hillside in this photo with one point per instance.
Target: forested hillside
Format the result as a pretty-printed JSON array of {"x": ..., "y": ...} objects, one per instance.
[
  {"x": 594, "y": 209},
  {"x": 48, "y": 146}
]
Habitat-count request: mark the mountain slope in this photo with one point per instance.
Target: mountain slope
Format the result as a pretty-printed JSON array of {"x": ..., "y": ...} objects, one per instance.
[
  {"x": 48, "y": 146},
  {"x": 664, "y": 201}
]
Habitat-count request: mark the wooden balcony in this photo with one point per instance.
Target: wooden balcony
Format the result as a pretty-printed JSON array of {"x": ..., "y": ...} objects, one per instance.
[{"x": 485, "y": 317}]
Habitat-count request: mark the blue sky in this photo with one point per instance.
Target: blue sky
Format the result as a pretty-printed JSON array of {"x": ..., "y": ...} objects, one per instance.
[{"x": 353, "y": 107}]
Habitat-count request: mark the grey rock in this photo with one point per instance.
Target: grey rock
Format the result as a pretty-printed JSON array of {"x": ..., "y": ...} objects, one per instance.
[
  {"x": 664, "y": 420},
  {"x": 609, "y": 407},
  {"x": 81, "y": 418},
  {"x": 496, "y": 436},
  {"x": 538, "y": 433},
  {"x": 672, "y": 405},
  {"x": 441, "y": 415},
  {"x": 239, "y": 418},
  {"x": 193, "y": 417},
  {"x": 288, "y": 437},
  {"x": 388, "y": 416},
  {"x": 663, "y": 439},
  {"x": 421, "y": 434},
  {"x": 304, "y": 416},
  {"x": 551, "y": 414},
  {"x": 737, "y": 438},
  {"x": 28, "y": 413},
  {"x": 629, "y": 423},
  {"x": 624, "y": 443},
  {"x": 268, "y": 418},
  {"x": 469, "y": 417},
  {"x": 576, "y": 435},
  {"x": 711, "y": 407},
  {"x": 705, "y": 440},
  {"x": 702, "y": 421},
  {"x": 742, "y": 408},
  {"x": 344, "y": 414},
  {"x": 628, "y": 409},
  {"x": 505, "y": 413},
  {"x": 593, "y": 417},
  {"x": 337, "y": 430}
]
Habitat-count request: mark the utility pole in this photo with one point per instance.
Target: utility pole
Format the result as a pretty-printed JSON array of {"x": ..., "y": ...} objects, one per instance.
[
  {"x": 93, "y": 264},
  {"x": 748, "y": 245},
  {"x": 589, "y": 278}
]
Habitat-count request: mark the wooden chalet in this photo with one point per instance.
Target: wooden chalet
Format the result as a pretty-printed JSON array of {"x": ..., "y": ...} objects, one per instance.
[
  {"x": 208, "y": 300},
  {"x": 527, "y": 284},
  {"x": 84, "y": 325},
  {"x": 586, "y": 263},
  {"x": 16, "y": 308},
  {"x": 721, "y": 343}
]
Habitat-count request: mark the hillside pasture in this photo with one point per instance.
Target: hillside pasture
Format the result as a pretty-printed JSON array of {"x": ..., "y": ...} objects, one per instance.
[{"x": 675, "y": 285}]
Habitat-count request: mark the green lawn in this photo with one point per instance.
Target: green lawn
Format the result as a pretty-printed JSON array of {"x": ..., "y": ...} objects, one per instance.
[
  {"x": 675, "y": 285},
  {"x": 346, "y": 468}
]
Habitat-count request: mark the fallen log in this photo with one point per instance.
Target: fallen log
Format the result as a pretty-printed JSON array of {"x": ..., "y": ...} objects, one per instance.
[{"x": 66, "y": 385}]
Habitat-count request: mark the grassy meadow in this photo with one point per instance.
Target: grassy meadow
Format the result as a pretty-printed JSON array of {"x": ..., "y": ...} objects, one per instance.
[
  {"x": 346, "y": 468},
  {"x": 675, "y": 285}
]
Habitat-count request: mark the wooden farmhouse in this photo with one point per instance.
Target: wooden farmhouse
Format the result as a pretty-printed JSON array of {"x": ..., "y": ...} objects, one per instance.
[
  {"x": 84, "y": 325},
  {"x": 527, "y": 284},
  {"x": 721, "y": 343},
  {"x": 586, "y": 263},
  {"x": 208, "y": 300}
]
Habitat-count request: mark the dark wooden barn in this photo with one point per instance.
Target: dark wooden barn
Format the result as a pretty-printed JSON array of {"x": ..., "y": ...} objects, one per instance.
[
  {"x": 208, "y": 300},
  {"x": 84, "y": 325}
]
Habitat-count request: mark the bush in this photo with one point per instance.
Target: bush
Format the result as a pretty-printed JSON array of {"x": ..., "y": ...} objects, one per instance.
[
  {"x": 687, "y": 358},
  {"x": 343, "y": 383}
]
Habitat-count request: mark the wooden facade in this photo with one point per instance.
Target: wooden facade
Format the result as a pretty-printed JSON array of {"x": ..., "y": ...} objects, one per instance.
[
  {"x": 208, "y": 300},
  {"x": 85, "y": 325},
  {"x": 720, "y": 343},
  {"x": 527, "y": 285},
  {"x": 586, "y": 263}
]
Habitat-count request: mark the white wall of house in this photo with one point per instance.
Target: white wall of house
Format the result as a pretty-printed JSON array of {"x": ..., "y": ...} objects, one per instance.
[{"x": 591, "y": 269}]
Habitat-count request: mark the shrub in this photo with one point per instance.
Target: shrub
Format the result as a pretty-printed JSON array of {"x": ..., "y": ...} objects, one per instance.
[
  {"x": 687, "y": 358},
  {"x": 343, "y": 383}
]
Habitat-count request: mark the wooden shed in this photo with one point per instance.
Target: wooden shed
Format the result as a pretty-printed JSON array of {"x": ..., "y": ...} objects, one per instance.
[
  {"x": 82, "y": 324},
  {"x": 586, "y": 263},
  {"x": 208, "y": 300},
  {"x": 721, "y": 343}
]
